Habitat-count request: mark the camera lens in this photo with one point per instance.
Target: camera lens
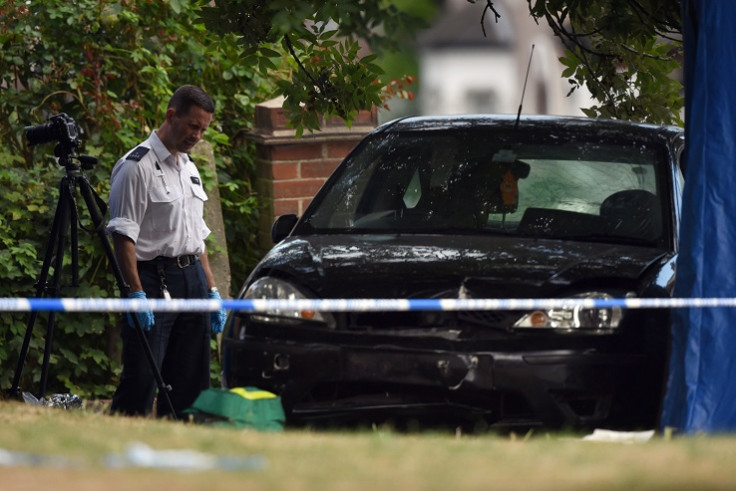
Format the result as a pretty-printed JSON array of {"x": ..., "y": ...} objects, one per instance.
[
  {"x": 42, "y": 133},
  {"x": 61, "y": 128}
]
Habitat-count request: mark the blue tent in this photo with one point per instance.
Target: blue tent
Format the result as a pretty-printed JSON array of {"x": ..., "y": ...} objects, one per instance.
[{"x": 701, "y": 390}]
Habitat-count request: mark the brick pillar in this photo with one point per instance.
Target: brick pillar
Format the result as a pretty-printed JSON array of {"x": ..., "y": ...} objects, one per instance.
[{"x": 290, "y": 170}]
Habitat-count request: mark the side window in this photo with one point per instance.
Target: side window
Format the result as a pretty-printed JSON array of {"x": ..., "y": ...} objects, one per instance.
[
  {"x": 413, "y": 192},
  {"x": 581, "y": 186}
]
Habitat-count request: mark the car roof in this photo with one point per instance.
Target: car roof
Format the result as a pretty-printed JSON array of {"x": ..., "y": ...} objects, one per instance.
[{"x": 509, "y": 121}]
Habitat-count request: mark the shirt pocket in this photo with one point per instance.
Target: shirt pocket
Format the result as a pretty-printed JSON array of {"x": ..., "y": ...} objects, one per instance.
[{"x": 164, "y": 208}]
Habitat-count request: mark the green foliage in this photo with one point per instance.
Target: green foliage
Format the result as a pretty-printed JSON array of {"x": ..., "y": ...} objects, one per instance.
[
  {"x": 316, "y": 49},
  {"x": 110, "y": 65},
  {"x": 624, "y": 52}
]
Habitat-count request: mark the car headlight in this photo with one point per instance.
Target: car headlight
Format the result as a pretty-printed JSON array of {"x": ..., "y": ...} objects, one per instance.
[
  {"x": 272, "y": 288},
  {"x": 576, "y": 317}
]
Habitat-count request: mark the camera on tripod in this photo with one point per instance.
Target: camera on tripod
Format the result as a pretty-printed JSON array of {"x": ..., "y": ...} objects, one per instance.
[{"x": 60, "y": 128}]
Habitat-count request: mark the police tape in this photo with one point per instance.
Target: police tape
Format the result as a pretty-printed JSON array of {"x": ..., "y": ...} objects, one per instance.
[{"x": 348, "y": 304}]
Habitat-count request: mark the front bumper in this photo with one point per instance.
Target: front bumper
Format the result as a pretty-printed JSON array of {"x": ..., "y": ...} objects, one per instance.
[{"x": 358, "y": 377}]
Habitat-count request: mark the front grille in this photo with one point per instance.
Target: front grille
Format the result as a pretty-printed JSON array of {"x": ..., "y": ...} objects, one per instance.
[
  {"x": 396, "y": 320},
  {"x": 495, "y": 319},
  {"x": 500, "y": 319}
]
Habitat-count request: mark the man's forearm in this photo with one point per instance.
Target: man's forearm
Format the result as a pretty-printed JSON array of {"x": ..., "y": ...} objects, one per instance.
[
  {"x": 207, "y": 271},
  {"x": 125, "y": 255}
]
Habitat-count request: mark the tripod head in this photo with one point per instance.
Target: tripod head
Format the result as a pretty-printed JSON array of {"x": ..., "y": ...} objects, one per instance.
[{"x": 67, "y": 158}]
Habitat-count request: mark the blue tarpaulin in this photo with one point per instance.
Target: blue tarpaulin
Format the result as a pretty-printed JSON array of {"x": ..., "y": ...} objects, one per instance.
[{"x": 701, "y": 389}]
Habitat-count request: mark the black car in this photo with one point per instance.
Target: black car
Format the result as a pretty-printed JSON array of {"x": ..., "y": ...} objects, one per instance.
[{"x": 481, "y": 207}]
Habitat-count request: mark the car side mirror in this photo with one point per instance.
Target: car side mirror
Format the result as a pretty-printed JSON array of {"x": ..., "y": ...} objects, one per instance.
[{"x": 282, "y": 227}]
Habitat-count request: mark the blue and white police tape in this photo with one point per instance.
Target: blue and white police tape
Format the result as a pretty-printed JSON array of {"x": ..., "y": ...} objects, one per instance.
[{"x": 348, "y": 304}]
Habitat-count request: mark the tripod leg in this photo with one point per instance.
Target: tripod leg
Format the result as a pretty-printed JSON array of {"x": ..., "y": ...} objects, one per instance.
[
  {"x": 97, "y": 221},
  {"x": 67, "y": 210},
  {"x": 41, "y": 285},
  {"x": 73, "y": 219}
]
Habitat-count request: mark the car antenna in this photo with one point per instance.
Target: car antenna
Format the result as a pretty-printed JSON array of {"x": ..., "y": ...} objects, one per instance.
[{"x": 523, "y": 91}]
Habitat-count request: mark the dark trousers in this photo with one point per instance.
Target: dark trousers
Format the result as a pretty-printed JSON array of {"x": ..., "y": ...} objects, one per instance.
[{"x": 180, "y": 343}]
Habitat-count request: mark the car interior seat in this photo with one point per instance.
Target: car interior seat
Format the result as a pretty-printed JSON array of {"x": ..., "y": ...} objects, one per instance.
[{"x": 635, "y": 213}]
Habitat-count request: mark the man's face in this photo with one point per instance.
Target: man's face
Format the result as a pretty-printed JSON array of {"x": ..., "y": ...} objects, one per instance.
[{"x": 188, "y": 128}]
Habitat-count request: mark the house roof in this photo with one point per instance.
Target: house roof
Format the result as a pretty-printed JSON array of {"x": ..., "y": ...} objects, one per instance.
[{"x": 461, "y": 27}]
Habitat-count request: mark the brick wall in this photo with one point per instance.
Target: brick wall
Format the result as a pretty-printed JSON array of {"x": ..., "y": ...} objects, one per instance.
[{"x": 290, "y": 170}]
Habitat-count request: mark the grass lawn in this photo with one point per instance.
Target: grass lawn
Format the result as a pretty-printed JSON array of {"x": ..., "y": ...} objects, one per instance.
[{"x": 72, "y": 449}]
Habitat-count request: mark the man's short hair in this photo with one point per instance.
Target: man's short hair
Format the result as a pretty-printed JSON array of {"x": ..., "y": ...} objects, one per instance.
[{"x": 187, "y": 96}]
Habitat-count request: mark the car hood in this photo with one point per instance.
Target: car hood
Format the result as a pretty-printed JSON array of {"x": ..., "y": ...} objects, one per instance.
[{"x": 425, "y": 266}]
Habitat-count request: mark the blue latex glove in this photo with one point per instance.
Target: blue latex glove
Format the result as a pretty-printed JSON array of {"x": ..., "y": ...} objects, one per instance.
[
  {"x": 217, "y": 318},
  {"x": 144, "y": 317}
]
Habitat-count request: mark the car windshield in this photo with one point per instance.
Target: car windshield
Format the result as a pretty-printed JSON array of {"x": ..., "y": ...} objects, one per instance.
[{"x": 558, "y": 184}]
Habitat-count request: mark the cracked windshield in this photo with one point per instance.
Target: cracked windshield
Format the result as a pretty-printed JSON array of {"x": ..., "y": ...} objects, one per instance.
[{"x": 521, "y": 183}]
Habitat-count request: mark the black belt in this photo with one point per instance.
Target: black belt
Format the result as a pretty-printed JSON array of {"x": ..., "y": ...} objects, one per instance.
[{"x": 180, "y": 261}]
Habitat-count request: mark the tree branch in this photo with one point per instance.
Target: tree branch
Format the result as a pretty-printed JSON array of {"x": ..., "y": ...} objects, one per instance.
[
  {"x": 290, "y": 47},
  {"x": 489, "y": 6},
  {"x": 572, "y": 39}
]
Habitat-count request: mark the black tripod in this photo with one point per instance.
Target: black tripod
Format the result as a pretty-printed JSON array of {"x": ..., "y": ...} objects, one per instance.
[{"x": 66, "y": 215}]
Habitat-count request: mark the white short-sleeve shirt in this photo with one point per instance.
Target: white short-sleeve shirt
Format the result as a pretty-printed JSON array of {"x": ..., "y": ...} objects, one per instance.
[{"x": 158, "y": 201}]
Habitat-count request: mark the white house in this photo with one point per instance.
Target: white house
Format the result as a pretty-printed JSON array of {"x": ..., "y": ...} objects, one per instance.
[{"x": 463, "y": 71}]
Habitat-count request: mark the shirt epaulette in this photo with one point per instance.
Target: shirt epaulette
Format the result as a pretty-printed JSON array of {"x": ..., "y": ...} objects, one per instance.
[{"x": 138, "y": 153}]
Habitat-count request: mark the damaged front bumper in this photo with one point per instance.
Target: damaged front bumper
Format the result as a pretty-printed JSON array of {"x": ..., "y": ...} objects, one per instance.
[{"x": 345, "y": 376}]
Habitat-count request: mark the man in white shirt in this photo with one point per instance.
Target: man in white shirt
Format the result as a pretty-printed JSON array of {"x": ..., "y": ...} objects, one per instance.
[{"x": 156, "y": 222}]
